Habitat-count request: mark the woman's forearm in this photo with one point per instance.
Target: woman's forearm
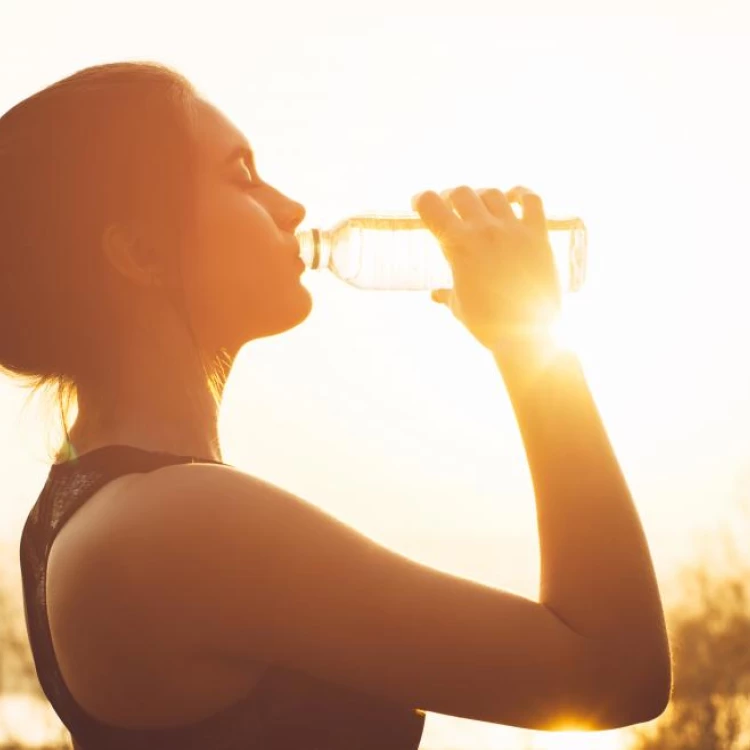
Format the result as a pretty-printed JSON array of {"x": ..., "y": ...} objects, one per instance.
[{"x": 596, "y": 570}]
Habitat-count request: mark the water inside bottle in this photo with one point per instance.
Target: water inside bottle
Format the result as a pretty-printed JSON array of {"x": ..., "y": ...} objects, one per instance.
[
  {"x": 396, "y": 259},
  {"x": 397, "y": 252},
  {"x": 391, "y": 253}
]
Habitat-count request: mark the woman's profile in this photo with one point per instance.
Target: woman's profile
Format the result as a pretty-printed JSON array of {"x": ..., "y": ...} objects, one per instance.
[{"x": 174, "y": 601}]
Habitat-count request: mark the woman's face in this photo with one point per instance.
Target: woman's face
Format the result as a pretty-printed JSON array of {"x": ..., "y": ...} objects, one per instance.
[{"x": 241, "y": 266}]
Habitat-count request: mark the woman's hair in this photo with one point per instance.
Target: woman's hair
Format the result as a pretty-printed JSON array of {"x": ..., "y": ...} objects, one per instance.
[{"x": 111, "y": 143}]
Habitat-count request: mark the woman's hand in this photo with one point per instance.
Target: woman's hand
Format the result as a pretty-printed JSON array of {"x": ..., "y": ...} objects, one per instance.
[{"x": 505, "y": 284}]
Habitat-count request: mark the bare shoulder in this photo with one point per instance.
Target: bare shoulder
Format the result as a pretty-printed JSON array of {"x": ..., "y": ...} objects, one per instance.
[
  {"x": 96, "y": 632},
  {"x": 224, "y": 564}
]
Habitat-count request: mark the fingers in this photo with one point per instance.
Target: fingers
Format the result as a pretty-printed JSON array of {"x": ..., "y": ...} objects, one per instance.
[
  {"x": 531, "y": 203},
  {"x": 473, "y": 205},
  {"x": 496, "y": 203},
  {"x": 468, "y": 205},
  {"x": 435, "y": 214}
]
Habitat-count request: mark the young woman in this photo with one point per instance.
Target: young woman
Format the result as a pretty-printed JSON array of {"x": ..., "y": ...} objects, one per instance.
[{"x": 173, "y": 601}]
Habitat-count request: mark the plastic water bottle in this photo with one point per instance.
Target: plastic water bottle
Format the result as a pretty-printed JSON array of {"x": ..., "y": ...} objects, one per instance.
[{"x": 397, "y": 252}]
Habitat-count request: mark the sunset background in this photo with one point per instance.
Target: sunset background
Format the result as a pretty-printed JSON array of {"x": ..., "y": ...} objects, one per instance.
[{"x": 380, "y": 408}]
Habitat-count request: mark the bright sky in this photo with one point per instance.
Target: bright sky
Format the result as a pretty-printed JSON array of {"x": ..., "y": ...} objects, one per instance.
[{"x": 380, "y": 408}]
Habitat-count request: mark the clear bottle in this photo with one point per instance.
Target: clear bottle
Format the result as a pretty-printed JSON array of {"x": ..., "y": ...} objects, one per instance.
[{"x": 397, "y": 252}]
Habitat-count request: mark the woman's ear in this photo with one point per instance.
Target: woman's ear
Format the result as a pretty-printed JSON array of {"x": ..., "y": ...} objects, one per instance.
[{"x": 130, "y": 255}]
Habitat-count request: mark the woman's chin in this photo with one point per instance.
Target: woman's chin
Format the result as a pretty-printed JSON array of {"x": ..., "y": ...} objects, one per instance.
[
  {"x": 290, "y": 312},
  {"x": 301, "y": 305}
]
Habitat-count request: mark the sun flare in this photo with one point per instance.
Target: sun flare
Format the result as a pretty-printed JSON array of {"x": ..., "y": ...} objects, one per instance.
[
  {"x": 569, "y": 330},
  {"x": 610, "y": 740}
]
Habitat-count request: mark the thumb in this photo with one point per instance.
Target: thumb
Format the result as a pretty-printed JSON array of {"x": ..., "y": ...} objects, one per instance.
[{"x": 441, "y": 296}]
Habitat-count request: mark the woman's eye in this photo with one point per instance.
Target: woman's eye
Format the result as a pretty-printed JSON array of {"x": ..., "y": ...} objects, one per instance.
[{"x": 250, "y": 177}]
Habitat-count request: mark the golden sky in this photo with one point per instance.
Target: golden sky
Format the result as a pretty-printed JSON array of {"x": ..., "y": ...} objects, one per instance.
[{"x": 380, "y": 408}]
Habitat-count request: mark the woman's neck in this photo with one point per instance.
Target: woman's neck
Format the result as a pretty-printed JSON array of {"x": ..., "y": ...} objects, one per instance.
[
  {"x": 187, "y": 428},
  {"x": 161, "y": 443}
]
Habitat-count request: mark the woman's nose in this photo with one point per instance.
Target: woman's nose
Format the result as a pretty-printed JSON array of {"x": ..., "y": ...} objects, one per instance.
[{"x": 291, "y": 216}]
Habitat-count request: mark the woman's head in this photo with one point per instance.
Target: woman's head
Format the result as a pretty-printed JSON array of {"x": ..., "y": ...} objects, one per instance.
[{"x": 129, "y": 209}]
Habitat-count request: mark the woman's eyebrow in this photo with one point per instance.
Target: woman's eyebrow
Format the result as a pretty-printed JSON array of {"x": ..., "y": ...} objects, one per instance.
[{"x": 241, "y": 152}]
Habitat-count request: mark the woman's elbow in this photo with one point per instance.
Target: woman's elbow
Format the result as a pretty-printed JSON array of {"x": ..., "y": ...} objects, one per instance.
[
  {"x": 622, "y": 687},
  {"x": 639, "y": 691},
  {"x": 653, "y": 689}
]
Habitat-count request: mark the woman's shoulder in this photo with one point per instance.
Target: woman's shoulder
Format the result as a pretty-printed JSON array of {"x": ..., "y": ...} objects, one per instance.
[
  {"x": 163, "y": 503},
  {"x": 111, "y": 559},
  {"x": 195, "y": 487},
  {"x": 142, "y": 519}
]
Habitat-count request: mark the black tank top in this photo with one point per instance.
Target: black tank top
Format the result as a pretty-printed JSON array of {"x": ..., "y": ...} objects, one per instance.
[{"x": 286, "y": 710}]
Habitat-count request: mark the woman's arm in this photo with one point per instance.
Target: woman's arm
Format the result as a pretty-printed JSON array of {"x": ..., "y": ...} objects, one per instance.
[{"x": 596, "y": 570}]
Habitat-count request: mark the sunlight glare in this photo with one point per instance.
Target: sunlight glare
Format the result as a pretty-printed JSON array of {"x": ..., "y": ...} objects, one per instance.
[
  {"x": 609, "y": 740},
  {"x": 569, "y": 330}
]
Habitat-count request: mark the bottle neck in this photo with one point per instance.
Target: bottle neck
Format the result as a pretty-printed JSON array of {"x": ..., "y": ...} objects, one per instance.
[{"x": 315, "y": 248}]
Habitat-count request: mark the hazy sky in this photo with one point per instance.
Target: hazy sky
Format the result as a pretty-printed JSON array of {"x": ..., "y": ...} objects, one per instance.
[{"x": 380, "y": 408}]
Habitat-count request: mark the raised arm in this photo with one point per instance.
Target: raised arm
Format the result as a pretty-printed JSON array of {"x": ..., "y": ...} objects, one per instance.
[{"x": 596, "y": 571}]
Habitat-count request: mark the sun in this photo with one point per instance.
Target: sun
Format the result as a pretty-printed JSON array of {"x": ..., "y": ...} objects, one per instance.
[{"x": 570, "y": 329}]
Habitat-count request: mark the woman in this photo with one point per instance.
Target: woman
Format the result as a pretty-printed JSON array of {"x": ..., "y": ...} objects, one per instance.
[{"x": 173, "y": 601}]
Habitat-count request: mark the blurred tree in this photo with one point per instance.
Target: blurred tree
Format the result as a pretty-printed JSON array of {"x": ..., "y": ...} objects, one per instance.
[
  {"x": 17, "y": 672},
  {"x": 710, "y": 634}
]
